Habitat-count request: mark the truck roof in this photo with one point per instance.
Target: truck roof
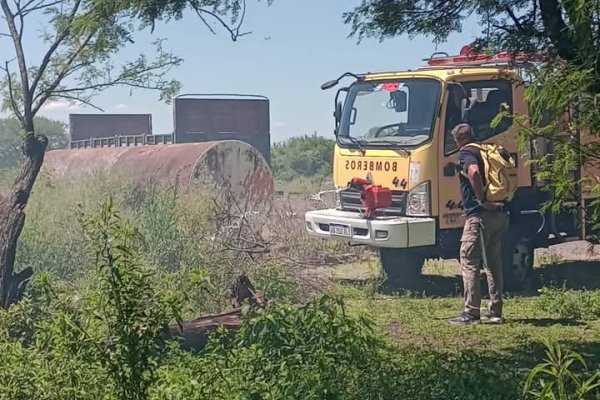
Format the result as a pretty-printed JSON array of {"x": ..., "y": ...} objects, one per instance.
[{"x": 443, "y": 73}]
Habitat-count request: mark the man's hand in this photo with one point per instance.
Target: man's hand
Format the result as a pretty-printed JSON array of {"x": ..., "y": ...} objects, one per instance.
[{"x": 491, "y": 206}]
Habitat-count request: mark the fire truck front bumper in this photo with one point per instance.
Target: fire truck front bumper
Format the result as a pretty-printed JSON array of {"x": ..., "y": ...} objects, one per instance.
[{"x": 350, "y": 227}]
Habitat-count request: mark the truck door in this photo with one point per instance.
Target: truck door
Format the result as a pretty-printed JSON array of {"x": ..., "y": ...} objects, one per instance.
[{"x": 485, "y": 97}]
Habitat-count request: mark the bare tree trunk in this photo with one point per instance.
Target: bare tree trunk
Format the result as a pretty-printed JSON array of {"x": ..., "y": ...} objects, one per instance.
[{"x": 12, "y": 210}]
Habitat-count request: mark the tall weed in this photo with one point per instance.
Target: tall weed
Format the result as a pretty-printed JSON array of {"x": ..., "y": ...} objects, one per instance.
[
  {"x": 102, "y": 341},
  {"x": 559, "y": 377}
]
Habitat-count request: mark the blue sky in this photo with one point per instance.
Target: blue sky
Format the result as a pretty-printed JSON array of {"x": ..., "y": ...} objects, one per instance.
[{"x": 295, "y": 45}]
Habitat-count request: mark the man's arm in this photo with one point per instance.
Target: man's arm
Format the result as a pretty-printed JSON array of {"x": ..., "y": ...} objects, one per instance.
[{"x": 476, "y": 181}]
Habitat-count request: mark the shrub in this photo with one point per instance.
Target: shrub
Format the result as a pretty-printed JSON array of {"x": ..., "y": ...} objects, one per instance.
[
  {"x": 312, "y": 352},
  {"x": 570, "y": 304},
  {"x": 319, "y": 352}
]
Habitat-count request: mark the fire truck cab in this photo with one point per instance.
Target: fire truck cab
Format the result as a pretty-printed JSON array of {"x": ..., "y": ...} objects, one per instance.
[{"x": 393, "y": 130}]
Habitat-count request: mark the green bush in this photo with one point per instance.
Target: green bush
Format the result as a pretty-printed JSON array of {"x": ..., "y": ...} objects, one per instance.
[
  {"x": 303, "y": 157},
  {"x": 177, "y": 231},
  {"x": 310, "y": 352},
  {"x": 155, "y": 255},
  {"x": 318, "y": 352},
  {"x": 570, "y": 304}
]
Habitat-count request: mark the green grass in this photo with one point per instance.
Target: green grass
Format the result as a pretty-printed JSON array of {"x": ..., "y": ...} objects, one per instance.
[{"x": 421, "y": 323}]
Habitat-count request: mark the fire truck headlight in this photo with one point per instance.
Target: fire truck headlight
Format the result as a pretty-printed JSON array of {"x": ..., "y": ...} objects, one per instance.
[{"x": 418, "y": 202}]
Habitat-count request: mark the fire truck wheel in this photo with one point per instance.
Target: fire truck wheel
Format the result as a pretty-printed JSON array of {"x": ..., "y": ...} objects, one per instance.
[
  {"x": 518, "y": 261},
  {"x": 402, "y": 267}
]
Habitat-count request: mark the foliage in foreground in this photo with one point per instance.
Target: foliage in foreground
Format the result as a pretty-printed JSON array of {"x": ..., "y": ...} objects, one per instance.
[
  {"x": 557, "y": 377},
  {"x": 312, "y": 352},
  {"x": 104, "y": 340}
]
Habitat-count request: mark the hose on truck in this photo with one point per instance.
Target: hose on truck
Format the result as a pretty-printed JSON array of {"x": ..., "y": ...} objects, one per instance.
[{"x": 542, "y": 225}]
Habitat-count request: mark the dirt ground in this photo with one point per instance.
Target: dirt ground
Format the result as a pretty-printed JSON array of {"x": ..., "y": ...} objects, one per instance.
[{"x": 575, "y": 265}]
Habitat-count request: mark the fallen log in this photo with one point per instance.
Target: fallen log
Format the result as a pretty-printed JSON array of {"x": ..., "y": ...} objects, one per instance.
[{"x": 193, "y": 335}]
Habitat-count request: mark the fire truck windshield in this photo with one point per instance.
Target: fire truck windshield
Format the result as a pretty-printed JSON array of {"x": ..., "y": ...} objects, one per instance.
[{"x": 390, "y": 112}]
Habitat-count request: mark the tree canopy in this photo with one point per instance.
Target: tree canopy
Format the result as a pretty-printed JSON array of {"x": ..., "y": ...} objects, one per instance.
[
  {"x": 570, "y": 27},
  {"x": 303, "y": 157}
]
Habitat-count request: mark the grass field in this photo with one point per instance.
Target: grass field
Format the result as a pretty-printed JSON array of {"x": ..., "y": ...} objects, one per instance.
[{"x": 418, "y": 321}]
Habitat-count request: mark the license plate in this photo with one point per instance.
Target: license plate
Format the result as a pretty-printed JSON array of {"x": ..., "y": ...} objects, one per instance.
[{"x": 340, "y": 230}]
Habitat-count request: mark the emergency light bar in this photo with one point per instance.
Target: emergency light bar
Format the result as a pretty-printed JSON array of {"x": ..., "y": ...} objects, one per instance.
[{"x": 468, "y": 57}]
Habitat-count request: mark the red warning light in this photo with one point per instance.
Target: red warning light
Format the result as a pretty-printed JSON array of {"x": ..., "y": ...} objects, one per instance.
[{"x": 390, "y": 87}]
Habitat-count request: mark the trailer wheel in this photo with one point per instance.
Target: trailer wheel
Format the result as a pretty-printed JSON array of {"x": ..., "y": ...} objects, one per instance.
[
  {"x": 402, "y": 267},
  {"x": 518, "y": 261}
]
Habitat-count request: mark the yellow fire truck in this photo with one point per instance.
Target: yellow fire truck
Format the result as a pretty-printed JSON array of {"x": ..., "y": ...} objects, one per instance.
[{"x": 393, "y": 129}]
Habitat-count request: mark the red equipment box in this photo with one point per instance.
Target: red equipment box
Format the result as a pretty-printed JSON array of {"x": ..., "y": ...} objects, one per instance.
[{"x": 372, "y": 197}]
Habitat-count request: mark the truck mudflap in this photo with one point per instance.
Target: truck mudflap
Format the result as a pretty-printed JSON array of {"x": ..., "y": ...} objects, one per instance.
[{"x": 393, "y": 232}]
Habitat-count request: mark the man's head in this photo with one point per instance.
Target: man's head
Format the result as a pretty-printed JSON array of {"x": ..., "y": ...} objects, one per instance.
[{"x": 463, "y": 134}]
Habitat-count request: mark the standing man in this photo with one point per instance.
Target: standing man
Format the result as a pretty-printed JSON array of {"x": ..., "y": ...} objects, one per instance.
[{"x": 482, "y": 236}]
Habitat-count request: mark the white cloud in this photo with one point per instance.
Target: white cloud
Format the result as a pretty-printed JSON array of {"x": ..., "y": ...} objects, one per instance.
[
  {"x": 121, "y": 105},
  {"x": 62, "y": 105},
  {"x": 278, "y": 124}
]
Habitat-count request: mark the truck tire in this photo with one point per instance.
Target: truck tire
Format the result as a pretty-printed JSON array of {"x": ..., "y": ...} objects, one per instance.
[
  {"x": 518, "y": 256},
  {"x": 402, "y": 267}
]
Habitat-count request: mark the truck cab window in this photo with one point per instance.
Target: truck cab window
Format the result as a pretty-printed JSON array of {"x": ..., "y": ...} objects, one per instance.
[
  {"x": 484, "y": 102},
  {"x": 397, "y": 112}
]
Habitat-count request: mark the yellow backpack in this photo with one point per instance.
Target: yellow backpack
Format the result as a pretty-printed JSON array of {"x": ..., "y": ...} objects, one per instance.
[{"x": 501, "y": 178}]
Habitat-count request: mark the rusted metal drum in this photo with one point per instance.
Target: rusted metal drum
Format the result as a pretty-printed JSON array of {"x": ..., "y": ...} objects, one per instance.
[{"x": 225, "y": 165}]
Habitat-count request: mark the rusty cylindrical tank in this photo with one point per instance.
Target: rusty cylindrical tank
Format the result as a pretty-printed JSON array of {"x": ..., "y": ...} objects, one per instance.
[{"x": 228, "y": 163}]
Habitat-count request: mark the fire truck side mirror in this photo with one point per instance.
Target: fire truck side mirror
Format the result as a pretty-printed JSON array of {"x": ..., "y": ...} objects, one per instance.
[
  {"x": 399, "y": 100},
  {"x": 337, "y": 114}
]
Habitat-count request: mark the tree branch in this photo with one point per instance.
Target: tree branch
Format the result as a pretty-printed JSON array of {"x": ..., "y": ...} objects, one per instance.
[
  {"x": 557, "y": 30},
  {"x": 503, "y": 28},
  {"x": 60, "y": 38},
  {"x": 40, "y": 6},
  {"x": 79, "y": 99},
  {"x": 13, "y": 102},
  {"x": 47, "y": 93},
  {"x": 234, "y": 32},
  {"x": 17, "y": 41},
  {"x": 514, "y": 18},
  {"x": 101, "y": 86}
]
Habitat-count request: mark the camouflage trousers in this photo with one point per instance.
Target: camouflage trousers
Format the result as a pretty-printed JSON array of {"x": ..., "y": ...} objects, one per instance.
[{"x": 481, "y": 245}]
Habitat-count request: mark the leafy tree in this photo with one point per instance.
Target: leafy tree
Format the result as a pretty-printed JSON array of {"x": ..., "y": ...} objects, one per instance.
[
  {"x": 10, "y": 139},
  {"x": 569, "y": 26},
  {"x": 80, "y": 39},
  {"x": 305, "y": 156},
  {"x": 565, "y": 84}
]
